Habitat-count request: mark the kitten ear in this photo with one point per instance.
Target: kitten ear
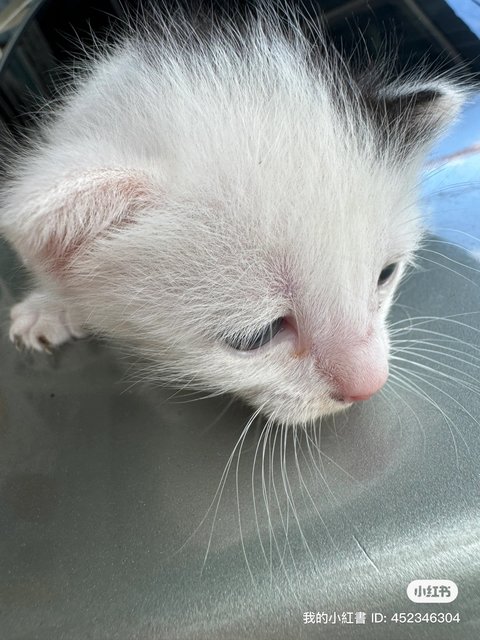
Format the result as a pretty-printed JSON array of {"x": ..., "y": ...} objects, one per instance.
[
  {"x": 55, "y": 223},
  {"x": 411, "y": 116}
]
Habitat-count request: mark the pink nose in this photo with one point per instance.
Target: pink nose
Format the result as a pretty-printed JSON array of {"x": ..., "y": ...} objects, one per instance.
[
  {"x": 355, "y": 365},
  {"x": 361, "y": 387}
]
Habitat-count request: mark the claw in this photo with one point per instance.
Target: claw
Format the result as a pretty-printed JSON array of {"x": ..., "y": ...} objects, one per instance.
[
  {"x": 18, "y": 342},
  {"x": 40, "y": 323},
  {"x": 47, "y": 347}
]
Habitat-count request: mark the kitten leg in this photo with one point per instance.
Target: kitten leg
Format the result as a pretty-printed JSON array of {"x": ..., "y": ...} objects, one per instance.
[{"x": 42, "y": 322}]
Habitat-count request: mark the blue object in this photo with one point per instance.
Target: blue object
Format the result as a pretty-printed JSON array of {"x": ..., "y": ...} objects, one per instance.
[
  {"x": 451, "y": 185},
  {"x": 469, "y": 12}
]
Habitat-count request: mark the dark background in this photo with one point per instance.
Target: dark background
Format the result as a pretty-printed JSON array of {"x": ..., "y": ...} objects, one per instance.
[{"x": 50, "y": 39}]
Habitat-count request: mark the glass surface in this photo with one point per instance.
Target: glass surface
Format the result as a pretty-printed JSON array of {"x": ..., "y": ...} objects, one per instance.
[{"x": 112, "y": 527}]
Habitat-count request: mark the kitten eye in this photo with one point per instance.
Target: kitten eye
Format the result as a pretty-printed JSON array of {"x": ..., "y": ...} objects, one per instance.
[
  {"x": 255, "y": 340},
  {"x": 386, "y": 273}
]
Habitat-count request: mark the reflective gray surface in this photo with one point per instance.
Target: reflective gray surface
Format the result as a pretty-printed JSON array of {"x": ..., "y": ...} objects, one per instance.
[{"x": 111, "y": 525}]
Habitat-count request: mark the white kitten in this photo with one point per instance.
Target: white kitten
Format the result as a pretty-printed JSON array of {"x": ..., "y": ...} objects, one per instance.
[{"x": 235, "y": 206}]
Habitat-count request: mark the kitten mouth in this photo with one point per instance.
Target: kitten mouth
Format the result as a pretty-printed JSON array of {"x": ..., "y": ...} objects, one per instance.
[
  {"x": 340, "y": 399},
  {"x": 297, "y": 410}
]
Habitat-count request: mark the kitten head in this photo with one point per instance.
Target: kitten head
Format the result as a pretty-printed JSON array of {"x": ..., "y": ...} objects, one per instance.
[{"x": 260, "y": 216}]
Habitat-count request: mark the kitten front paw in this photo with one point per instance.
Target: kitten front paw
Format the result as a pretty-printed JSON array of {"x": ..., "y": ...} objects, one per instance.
[{"x": 41, "y": 324}]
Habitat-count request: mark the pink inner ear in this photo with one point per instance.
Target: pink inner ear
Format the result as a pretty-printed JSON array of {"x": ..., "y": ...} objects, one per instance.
[{"x": 81, "y": 209}]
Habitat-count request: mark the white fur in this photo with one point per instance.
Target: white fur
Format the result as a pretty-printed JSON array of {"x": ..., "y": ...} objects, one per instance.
[
  {"x": 192, "y": 188},
  {"x": 41, "y": 323}
]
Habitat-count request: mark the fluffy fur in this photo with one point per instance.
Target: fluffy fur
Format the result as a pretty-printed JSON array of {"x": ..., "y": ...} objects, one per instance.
[{"x": 194, "y": 187}]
